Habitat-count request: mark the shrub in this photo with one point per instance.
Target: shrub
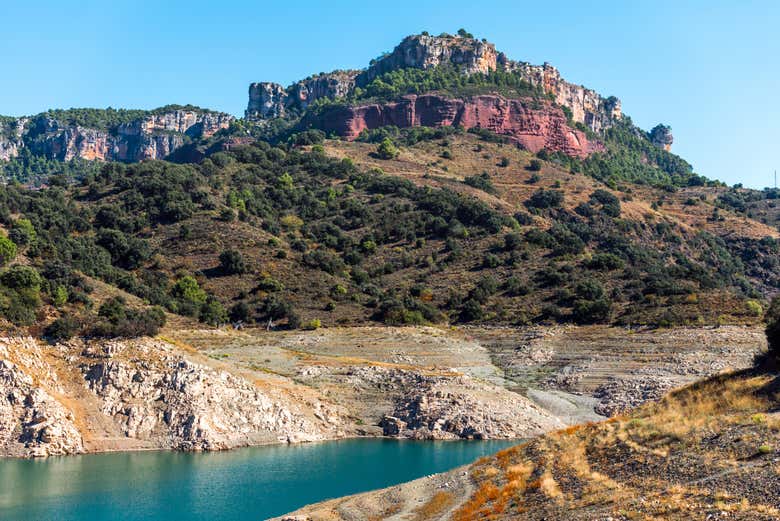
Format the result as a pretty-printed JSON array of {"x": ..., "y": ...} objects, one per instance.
[
  {"x": 7, "y": 250},
  {"x": 605, "y": 262},
  {"x": 504, "y": 162},
  {"x": 481, "y": 181},
  {"x": 516, "y": 287},
  {"x": 22, "y": 232},
  {"x": 590, "y": 311},
  {"x": 212, "y": 312},
  {"x": 21, "y": 277},
  {"x": 512, "y": 241},
  {"x": 590, "y": 289},
  {"x": 239, "y": 312},
  {"x": 231, "y": 262},
  {"x": 610, "y": 204},
  {"x": 472, "y": 310},
  {"x": 754, "y": 308},
  {"x": 386, "y": 149},
  {"x": 313, "y": 324},
  {"x": 188, "y": 290},
  {"x": 64, "y": 328},
  {"x": 535, "y": 165},
  {"x": 491, "y": 261},
  {"x": 120, "y": 320},
  {"x": 545, "y": 199}
]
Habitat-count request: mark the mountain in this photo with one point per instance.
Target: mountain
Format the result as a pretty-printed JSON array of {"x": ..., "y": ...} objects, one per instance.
[{"x": 458, "y": 186}]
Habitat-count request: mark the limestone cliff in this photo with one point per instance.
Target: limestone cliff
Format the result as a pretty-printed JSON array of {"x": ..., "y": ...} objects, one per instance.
[
  {"x": 271, "y": 100},
  {"x": 11, "y": 130},
  {"x": 661, "y": 136},
  {"x": 425, "y": 52},
  {"x": 153, "y": 136},
  {"x": 142, "y": 394},
  {"x": 533, "y": 124}
]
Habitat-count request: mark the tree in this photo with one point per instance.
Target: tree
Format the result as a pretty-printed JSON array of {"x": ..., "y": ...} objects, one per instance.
[
  {"x": 188, "y": 290},
  {"x": 22, "y": 232},
  {"x": 535, "y": 165},
  {"x": 386, "y": 149},
  {"x": 212, "y": 312},
  {"x": 7, "y": 250},
  {"x": 545, "y": 199},
  {"x": 231, "y": 262}
]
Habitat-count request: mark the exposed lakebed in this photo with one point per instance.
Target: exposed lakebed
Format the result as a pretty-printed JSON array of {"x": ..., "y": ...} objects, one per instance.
[{"x": 252, "y": 483}]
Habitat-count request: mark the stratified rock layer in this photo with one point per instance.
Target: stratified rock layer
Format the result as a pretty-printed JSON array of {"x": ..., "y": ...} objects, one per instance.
[{"x": 533, "y": 124}]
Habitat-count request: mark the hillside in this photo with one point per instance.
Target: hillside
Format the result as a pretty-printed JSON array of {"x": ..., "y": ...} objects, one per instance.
[
  {"x": 706, "y": 451},
  {"x": 456, "y": 228}
]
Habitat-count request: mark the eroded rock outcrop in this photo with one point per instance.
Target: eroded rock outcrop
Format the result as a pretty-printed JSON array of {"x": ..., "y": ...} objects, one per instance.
[
  {"x": 84, "y": 397},
  {"x": 661, "y": 136},
  {"x": 192, "y": 406},
  {"x": 154, "y": 136},
  {"x": 11, "y": 130},
  {"x": 423, "y": 51},
  {"x": 441, "y": 405},
  {"x": 32, "y": 422},
  {"x": 533, "y": 124},
  {"x": 269, "y": 100}
]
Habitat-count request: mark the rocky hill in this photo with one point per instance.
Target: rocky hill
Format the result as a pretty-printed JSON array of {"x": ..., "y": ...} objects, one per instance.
[{"x": 474, "y": 60}]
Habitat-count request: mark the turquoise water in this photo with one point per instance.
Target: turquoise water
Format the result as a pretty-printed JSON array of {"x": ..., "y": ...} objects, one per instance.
[{"x": 246, "y": 484}]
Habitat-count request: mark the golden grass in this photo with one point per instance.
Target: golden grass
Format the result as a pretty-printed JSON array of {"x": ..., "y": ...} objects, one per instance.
[{"x": 437, "y": 505}]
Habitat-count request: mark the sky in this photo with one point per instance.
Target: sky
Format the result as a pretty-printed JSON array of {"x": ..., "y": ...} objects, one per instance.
[{"x": 707, "y": 68}]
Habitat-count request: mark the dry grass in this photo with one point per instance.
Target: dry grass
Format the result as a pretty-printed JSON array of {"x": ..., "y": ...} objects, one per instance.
[
  {"x": 580, "y": 469},
  {"x": 439, "y": 503}
]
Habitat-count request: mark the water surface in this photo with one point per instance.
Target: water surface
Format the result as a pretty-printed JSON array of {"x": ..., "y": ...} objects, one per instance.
[{"x": 247, "y": 484}]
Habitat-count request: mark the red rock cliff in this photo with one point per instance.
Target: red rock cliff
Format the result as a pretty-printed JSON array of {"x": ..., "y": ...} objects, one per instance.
[{"x": 531, "y": 123}]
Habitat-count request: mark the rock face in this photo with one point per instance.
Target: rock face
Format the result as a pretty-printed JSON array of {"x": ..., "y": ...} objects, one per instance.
[
  {"x": 587, "y": 106},
  {"x": 469, "y": 55},
  {"x": 426, "y": 52},
  {"x": 11, "y": 132},
  {"x": 417, "y": 405},
  {"x": 32, "y": 422},
  {"x": 192, "y": 406},
  {"x": 463, "y": 408},
  {"x": 154, "y": 136},
  {"x": 661, "y": 136},
  {"x": 141, "y": 394},
  {"x": 271, "y": 100},
  {"x": 533, "y": 124}
]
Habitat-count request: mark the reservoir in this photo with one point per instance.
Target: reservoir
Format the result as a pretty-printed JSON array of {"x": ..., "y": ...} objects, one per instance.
[{"x": 247, "y": 484}]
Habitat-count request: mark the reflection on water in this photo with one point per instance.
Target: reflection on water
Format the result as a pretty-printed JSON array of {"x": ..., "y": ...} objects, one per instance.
[{"x": 252, "y": 483}]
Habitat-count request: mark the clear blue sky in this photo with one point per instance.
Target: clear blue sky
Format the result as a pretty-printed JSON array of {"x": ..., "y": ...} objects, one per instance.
[{"x": 707, "y": 68}]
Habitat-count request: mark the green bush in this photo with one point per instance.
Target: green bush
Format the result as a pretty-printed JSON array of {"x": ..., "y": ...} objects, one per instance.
[
  {"x": 545, "y": 199},
  {"x": 386, "y": 149},
  {"x": 7, "y": 250},
  {"x": 212, "y": 312},
  {"x": 231, "y": 262},
  {"x": 535, "y": 165},
  {"x": 63, "y": 328}
]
